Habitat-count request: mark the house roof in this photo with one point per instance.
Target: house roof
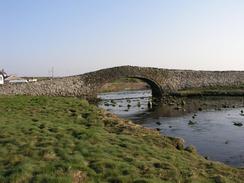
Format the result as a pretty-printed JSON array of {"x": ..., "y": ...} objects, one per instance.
[{"x": 2, "y": 72}]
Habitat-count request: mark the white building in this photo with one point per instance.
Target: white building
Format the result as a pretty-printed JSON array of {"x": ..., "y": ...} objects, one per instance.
[
  {"x": 15, "y": 79},
  {"x": 3, "y": 75},
  {"x": 32, "y": 80},
  {"x": 1, "y": 79}
]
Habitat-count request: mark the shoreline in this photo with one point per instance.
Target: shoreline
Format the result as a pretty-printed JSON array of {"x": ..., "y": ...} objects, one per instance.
[{"x": 97, "y": 145}]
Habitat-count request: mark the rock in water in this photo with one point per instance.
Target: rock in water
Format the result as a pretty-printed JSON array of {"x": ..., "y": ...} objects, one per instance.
[
  {"x": 149, "y": 104},
  {"x": 200, "y": 109},
  {"x": 191, "y": 122},
  {"x": 237, "y": 123},
  {"x": 178, "y": 108},
  {"x": 158, "y": 123},
  {"x": 183, "y": 102}
]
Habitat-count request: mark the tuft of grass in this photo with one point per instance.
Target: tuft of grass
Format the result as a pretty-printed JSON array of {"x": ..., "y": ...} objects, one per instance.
[{"x": 58, "y": 139}]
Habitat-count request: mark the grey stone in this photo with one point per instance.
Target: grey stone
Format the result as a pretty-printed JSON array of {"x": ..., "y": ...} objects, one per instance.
[{"x": 162, "y": 81}]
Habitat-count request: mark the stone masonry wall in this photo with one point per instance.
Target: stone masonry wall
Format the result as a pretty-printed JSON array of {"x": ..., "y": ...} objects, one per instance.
[{"x": 161, "y": 80}]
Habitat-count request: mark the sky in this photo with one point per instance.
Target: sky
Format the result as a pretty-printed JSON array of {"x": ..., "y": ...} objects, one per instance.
[{"x": 78, "y": 36}]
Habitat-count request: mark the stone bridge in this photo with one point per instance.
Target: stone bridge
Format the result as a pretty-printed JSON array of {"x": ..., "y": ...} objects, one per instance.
[{"x": 162, "y": 81}]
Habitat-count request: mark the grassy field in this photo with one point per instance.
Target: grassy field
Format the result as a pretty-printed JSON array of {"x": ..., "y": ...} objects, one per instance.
[
  {"x": 62, "y": 140},
  {"x": 212, "y": 91}
]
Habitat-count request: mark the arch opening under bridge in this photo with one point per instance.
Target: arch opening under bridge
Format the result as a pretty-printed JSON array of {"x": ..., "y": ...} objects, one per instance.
[{"x": 155, "y": 88}]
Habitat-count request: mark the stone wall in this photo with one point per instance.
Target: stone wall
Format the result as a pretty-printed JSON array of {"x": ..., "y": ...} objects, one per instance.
[
  {"x": 69, "y": 86},
  {"x": 161, "y": 81}
]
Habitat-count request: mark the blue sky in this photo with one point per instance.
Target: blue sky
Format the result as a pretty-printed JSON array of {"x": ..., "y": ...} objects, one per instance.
[{"x": 77, "y": 36}]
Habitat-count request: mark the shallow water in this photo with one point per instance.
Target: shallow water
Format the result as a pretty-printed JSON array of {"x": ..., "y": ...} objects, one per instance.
[{"x": 213, "y": 132}]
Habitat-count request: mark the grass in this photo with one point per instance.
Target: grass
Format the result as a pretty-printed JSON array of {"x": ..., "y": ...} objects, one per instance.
[
  {"x": 62, "y": 140},
  {"x": 212, "y": 91}
]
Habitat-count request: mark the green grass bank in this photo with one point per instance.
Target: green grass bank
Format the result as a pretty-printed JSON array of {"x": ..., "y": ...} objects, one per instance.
[
  {"x": 211, "y": 91},
  {"x": 62, "y": 140}
]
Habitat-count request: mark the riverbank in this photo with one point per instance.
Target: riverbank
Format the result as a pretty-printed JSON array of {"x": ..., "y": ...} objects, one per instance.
[
  {"x": 211, "y": 91},
  {"x": 61, "y": 139}
]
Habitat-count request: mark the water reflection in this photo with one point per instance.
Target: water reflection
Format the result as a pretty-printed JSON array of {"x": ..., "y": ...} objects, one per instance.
[{"x": 209, "y": 123}]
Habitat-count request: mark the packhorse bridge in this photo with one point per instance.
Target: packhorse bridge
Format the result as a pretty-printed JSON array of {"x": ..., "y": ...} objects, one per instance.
[{"x": 162, "y": 81}]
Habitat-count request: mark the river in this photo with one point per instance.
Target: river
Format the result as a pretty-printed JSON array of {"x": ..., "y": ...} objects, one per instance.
[{"x": 211, "y": 124}]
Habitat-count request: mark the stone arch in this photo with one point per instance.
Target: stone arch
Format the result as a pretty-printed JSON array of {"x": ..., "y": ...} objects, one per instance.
[{"x": 157, "y": 91}]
